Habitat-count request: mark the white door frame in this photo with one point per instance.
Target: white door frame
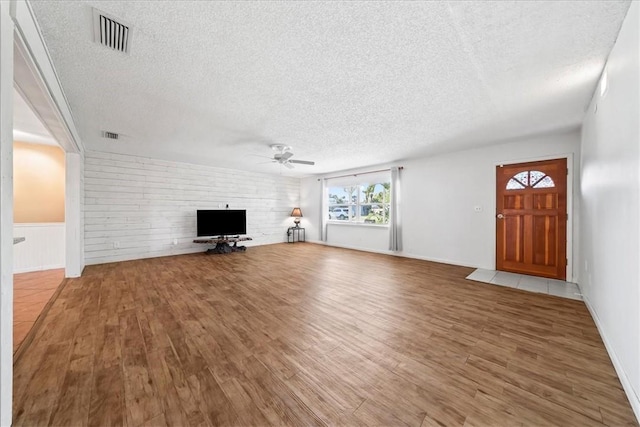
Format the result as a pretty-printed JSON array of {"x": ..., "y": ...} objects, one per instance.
[
  {"x": 6, "y": 213},
  {"x": 36, "y": 80}
]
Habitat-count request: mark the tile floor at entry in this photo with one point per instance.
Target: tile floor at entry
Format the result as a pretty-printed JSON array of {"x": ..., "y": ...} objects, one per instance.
[
  {"x": 527, "y": 283},
  {"x": 31, "y": 293}
]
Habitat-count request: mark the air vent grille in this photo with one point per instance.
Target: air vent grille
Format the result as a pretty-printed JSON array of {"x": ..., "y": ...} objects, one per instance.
[
  {"x": 110, "y": 135},
  {"x": 111, "y": 32}
]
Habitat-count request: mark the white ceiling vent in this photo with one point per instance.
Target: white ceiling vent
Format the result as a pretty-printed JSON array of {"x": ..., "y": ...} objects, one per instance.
[
  {"x": 110, "y": 135},
  {"x": 111, "y": 32}
]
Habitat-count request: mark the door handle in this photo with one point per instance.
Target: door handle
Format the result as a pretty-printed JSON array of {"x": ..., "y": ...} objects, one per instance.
[{"x": 500, "y": 216}]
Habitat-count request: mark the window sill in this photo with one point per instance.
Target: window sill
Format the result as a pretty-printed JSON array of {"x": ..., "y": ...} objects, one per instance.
[{"x": 357, "y": 224}]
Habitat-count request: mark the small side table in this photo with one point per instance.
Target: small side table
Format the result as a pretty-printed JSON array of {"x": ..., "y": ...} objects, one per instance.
[{"x": 295, "y": 234}]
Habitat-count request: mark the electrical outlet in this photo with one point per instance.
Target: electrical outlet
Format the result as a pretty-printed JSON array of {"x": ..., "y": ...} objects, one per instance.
[
  {"x": 116, "y": 245},
  {"x": 477, "y": 208},
  {"x": 175, "y": 241}
]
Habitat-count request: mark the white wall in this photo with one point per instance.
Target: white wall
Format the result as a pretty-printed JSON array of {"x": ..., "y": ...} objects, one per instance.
[
  {"x": 74, "y": 214},
  {"x": 373, "y": 238},
  {"x": 310, "y": 203},
  {"x": 610, "y": 279},
  {"x": 143, "y": 205},
  {"x": 82, "y": 214},
  {"x": 439, "y": 194},
  {"x": 43, "y": 249}
]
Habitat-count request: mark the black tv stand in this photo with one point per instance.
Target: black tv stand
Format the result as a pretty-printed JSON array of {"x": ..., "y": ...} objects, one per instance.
[{"x": 223, "y": 246}]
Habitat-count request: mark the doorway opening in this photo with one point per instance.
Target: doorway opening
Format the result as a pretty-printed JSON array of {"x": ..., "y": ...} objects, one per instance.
[{"x": 38, "y": 218}]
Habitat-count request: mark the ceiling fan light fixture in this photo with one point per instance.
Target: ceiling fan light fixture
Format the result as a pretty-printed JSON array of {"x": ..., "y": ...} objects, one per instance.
[
  {"x": 284, "y": 156},
  {"x": 281, "y": 147}
]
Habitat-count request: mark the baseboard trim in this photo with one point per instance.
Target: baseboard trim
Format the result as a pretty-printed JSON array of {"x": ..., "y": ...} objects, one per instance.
[
  {"x": 134, "y": 257},
  {"x": 353, "y": 248},
  {"x": 398, "y": 254},
  {"x": 438, "y": 260},
  {"x": 634, "y": 399},
  {"x": 159, "y": 254},
  {"x": 39, "y": 268}
]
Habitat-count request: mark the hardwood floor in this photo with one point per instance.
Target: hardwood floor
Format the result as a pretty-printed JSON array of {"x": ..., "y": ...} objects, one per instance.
[
  {"x": 31, "y": 294},
  {"x": 310, "y": 335}
]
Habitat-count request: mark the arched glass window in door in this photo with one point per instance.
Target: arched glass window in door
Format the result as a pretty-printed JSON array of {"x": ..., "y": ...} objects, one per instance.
[{"x": 534, "y": 179}]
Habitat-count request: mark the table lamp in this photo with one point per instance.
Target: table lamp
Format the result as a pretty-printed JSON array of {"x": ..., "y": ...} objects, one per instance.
[{"x": 297, "y": 214}]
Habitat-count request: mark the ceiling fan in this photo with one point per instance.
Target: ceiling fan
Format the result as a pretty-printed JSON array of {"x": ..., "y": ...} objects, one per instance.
[{"x": 283, "y": 156}]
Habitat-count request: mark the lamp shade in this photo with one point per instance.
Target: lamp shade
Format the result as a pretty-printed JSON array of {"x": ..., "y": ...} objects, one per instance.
[{"x": 296, "y": 212}]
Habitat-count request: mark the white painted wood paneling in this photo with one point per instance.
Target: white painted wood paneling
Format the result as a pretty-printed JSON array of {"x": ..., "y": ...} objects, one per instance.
[
  {"x": 82, "y": 257},
  {"x": 141, "y": 205},
  {"x": 43, "y": 249}
]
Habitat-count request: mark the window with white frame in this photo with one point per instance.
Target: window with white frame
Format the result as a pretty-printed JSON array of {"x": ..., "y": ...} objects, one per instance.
[{"x": 365, "y": 202}]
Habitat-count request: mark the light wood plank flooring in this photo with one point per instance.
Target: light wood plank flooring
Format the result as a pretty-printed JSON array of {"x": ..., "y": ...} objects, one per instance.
[
  {"x": 304, "y": 334},
  {"x": 31, "y": 293}
]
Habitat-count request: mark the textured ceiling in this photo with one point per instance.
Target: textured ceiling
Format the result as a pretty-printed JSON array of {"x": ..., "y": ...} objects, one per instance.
[{"x": 347, "y": 84}]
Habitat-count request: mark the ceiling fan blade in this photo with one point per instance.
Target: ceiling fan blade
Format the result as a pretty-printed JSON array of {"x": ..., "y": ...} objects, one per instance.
[
  {"x": 258, "y": 155},
  {"x": 286, "y": 155},
  {"x": 303, "y": 162},
  {"x": 288, "y": 165}
]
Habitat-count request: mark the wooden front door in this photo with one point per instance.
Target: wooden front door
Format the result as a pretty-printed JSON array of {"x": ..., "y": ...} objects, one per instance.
[{"x": 531, "y": 218}]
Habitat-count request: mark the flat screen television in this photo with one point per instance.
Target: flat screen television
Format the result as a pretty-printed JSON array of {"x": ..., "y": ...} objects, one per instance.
[{"x": 227, "y": 222}]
